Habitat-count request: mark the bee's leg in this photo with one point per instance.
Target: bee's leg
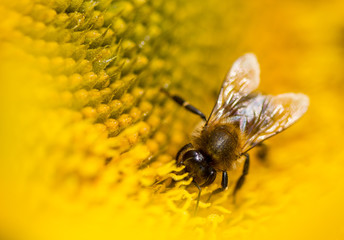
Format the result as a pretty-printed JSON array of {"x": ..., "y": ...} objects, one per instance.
[
  {"x": 198, "y": 197},
  {"x": 224, "y": 185},
  {"x": 241, "y": 180},
  {"x": 185, "y": 104},
  {"x": 262, "y": 152}
]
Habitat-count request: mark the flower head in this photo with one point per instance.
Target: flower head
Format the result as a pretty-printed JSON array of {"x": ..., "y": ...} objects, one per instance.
[{"x": 88, "y": 140}]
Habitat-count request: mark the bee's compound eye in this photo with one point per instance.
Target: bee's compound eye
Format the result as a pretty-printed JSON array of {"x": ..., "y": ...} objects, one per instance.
[
  {"x": 198, "y": 168},
  {"x": 193, "y": 155},
  {"x": 180, "y": 155}
]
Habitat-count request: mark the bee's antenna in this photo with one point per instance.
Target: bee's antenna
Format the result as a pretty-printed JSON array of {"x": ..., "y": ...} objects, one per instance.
[{"x": 198, "y": 197}]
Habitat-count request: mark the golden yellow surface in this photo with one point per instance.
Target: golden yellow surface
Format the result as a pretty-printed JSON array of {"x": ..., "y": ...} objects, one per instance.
[{"x": 87, "y": 137}]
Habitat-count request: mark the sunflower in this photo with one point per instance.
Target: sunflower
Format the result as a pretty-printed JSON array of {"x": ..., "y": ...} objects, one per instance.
[{"x": 88, "y": 140}]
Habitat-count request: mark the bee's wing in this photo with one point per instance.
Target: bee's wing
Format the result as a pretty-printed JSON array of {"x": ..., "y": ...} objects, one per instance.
[
  {"x": 241, "y": 80},
  {"x": 260, "y": 117}
]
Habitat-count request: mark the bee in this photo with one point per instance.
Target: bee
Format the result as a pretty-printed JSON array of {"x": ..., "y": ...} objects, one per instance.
[{"x": 240, "y": 120}]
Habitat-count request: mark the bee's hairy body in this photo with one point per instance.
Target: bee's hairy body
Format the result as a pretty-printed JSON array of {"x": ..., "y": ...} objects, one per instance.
[{"x": 221, "y": 143}]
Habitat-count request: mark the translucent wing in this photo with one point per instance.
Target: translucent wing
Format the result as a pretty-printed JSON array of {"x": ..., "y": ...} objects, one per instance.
[
  {"x": 262, "y": 116},
  {"x": 241, "y": 80},
  {"x": 258, "y": 116}
]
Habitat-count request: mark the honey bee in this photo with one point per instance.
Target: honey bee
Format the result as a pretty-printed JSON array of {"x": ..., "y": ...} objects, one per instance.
[{"x": 240, "y": 120}]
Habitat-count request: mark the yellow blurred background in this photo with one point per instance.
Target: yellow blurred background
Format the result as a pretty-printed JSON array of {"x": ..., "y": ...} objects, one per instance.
[{"x": 57, "y": 132}]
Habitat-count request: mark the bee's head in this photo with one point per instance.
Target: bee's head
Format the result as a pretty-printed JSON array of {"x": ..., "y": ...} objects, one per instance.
[{"x": 197, "y": 166}]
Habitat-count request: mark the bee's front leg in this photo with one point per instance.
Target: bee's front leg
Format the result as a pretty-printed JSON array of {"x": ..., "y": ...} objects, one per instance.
[{"x": 224, "y": 185}]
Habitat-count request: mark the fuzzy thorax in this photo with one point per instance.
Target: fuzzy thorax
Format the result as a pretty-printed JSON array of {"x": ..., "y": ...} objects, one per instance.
[{"x": 221, "y": 143}]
